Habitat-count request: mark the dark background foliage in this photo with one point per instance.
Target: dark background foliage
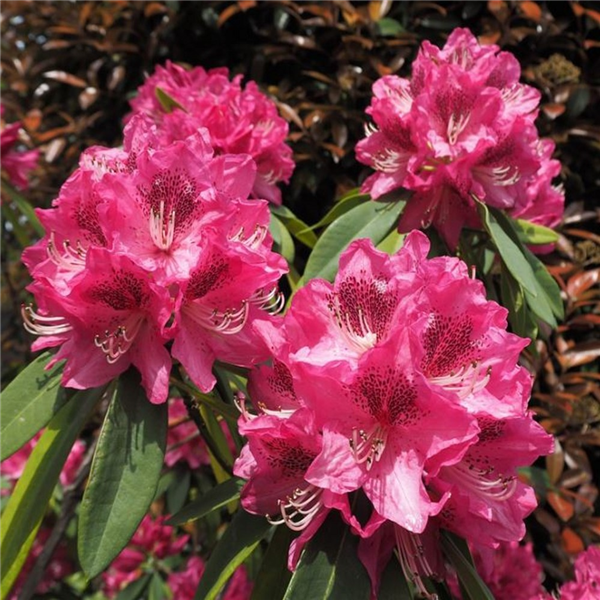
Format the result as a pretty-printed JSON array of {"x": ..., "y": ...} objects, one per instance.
[{"x": 68, "y": 70}]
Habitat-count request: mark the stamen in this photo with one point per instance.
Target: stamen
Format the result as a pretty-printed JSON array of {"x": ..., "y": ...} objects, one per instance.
[
  {"x": 368, "y": 446},
  {"x": 254, "y": 240},
  {"x": 498, "y": 489},
  {"x": 299, "y": 509},
  {"x": 413, "y": 561},
  {"x": 363, "y": 337},
  {"x": 38, "y": 324},
  {"x": 387, "y": 160},
  {"x": 469, "y": 379},
  {"x": 116, "y": 343},
  {"x": 72, "y": 259},
  {"x": 370, "y": 129},
  {"x": 162, "y": 232},
  {"x": 272, "y": 301},
  {"x": 505, "y": 176},
  {"x": 456, "y": 126},
  {"x": 228, "y": 322}
]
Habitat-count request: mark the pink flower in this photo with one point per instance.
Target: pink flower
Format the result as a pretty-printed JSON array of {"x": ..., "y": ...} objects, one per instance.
[
  {"x": 587, "y": 577},
  {"x": 399, "y": 380},
  {"x": 153, "y": 541},
  {"x": 510, "y": 571},
  {"x": 151, "y": 244},
  {"x": 184, "y": 583},
  {"x": 12, "y": 467},
  {"x": 461, "y": 127},
  {"x": 16, "y": 163},
  {"x": 183, "y": 440},
  {"x": 239, "y": 121},
  {"x": 59, "y": 566}
]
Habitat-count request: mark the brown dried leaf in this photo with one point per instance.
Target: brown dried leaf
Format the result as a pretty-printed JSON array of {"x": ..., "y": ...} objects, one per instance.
[
  {"x": 531, "y": 10},
  {"x": 571, "y": 542},
  {"x": 555, "y": 462},
  {"x": 562, "y": 507},
  {"x": 65, "y": 77}
]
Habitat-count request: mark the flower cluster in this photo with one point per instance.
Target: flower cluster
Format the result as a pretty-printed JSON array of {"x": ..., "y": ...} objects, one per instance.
[
  {"x": 461, "y": 128},
  {"x": 399, "y": 380},
  {"x": 510, "y": 571},
  {"x": 11, "y": 468},
  {"x": 150, "y": 549},
  {"x": 239, "y": 120},
  {"x": 16, "y": 164},
  {"x": 150, "y": 244},
  {"x": 587, "y": 577}
]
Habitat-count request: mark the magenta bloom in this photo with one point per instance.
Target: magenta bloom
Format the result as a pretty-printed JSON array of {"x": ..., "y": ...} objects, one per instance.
[
  {"x": 12, "y": 467},
  {"x": 59, "y": 566},
  {"x": 151, "y": 244},
  {"x": 587, "y": 577},
  {"x": 16, "y": 163},
  {"x": 461, "y": 127},
  {"x": 239, "y": 120},
  {"x": 153, "y": 541},
  {"x": 183, "y": 584},
  {"x": 399, "y": 380}
]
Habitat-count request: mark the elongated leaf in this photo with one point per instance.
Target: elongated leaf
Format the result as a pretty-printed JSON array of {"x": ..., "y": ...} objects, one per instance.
[
  {"x": 341, "y": 207},
  {"x": 534, "y": 234},
  {"x": 28, "y": 502},
  {"x": 546, "y": 302},
  {"x": 284, "y": 244},
  {"x": 373, "y": 220},
  {"x": 167, "y": 101},
  {"x": 329, "y": 567},
  {"x": 458, "y": 554},
  {"x": 509, "y": 251},
  {"x": 513, "y": 298},
  {"x": 28, "y": 403},
  {"x": 124, "y": 475},
  {"x": 274, "y": 576},
  {"x": 24, "y": 207},
  {"x": 216, "y": 498},
  {"x": 238, "y": 542},
  {"x": 298, "y": 228}
]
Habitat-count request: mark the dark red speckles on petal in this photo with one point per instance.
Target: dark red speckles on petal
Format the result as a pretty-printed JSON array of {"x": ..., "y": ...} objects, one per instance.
[
  {"x": 386, "y": 395},
  {"x": 210, "y": 276},
  {"x": 123, "y": 291},
  {"x": 448, "y": 344},
  {"x": 292, "y": 459},
  {"x": 281, "y": 381}
]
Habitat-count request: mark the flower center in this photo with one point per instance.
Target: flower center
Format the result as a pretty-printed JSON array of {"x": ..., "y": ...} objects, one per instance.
[
  {"x": 117, "y": 342},
  {"x": 487, "y": 484},
  {"x": 299, "y": 509},
  {"x": 43, "y": 324},
  {"x": 368, "y": 445},
  {"x": 228, "y": 322}
]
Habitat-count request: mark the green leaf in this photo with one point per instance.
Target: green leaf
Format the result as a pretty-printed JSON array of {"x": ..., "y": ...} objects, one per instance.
[
  {"x": 274, "y": 576},
  {"x": 178, "y": 490},
  {"x": 166, "y": 101},
  {"x": 158, "y": 588},
  {"x": 545, "y": 301},
  {"x": 534, "y": 234},
  {"x": 124, "y": 475},
  {"x": 217, "y": 497},
  {"x": 284, "y": 244},
  {"x": 24, "y": 207},
  {"x": 329, "y": 567},
  {"x": 373, "y": 220},
  {"x": 135, "y": 589},
  {"x": 389, "y": 27},
  {"x": 458, "y": 554},
  {"x": 298, "y": 228},
  {"x": 513, "y": 298},
  {"x": 28, "y": 403},
  {"x": 28, "y": 502},
  {"x": 509, "y": 250},
  {"x": 392, "y": 243},
  {"x": 341, "y": 207},
  {"x": 238, "y": 542}
]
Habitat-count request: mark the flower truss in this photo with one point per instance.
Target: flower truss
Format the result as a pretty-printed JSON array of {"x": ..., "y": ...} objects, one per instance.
[
  {"x": 401, "y": 381},
  {"x": 16, "y": 164},
  {"x": 462, "y": 128},
  {"x": 147, "y": 245},
  {"x": 239, "y": 120}
]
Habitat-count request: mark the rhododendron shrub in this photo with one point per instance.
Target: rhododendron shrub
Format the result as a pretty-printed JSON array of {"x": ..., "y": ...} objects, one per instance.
[
  {"x": 398, "y": 380},
  {"x": 239, "y": 120},
  {"x": 460, "y": 129},
  {"x": 375, "y": 429}
]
